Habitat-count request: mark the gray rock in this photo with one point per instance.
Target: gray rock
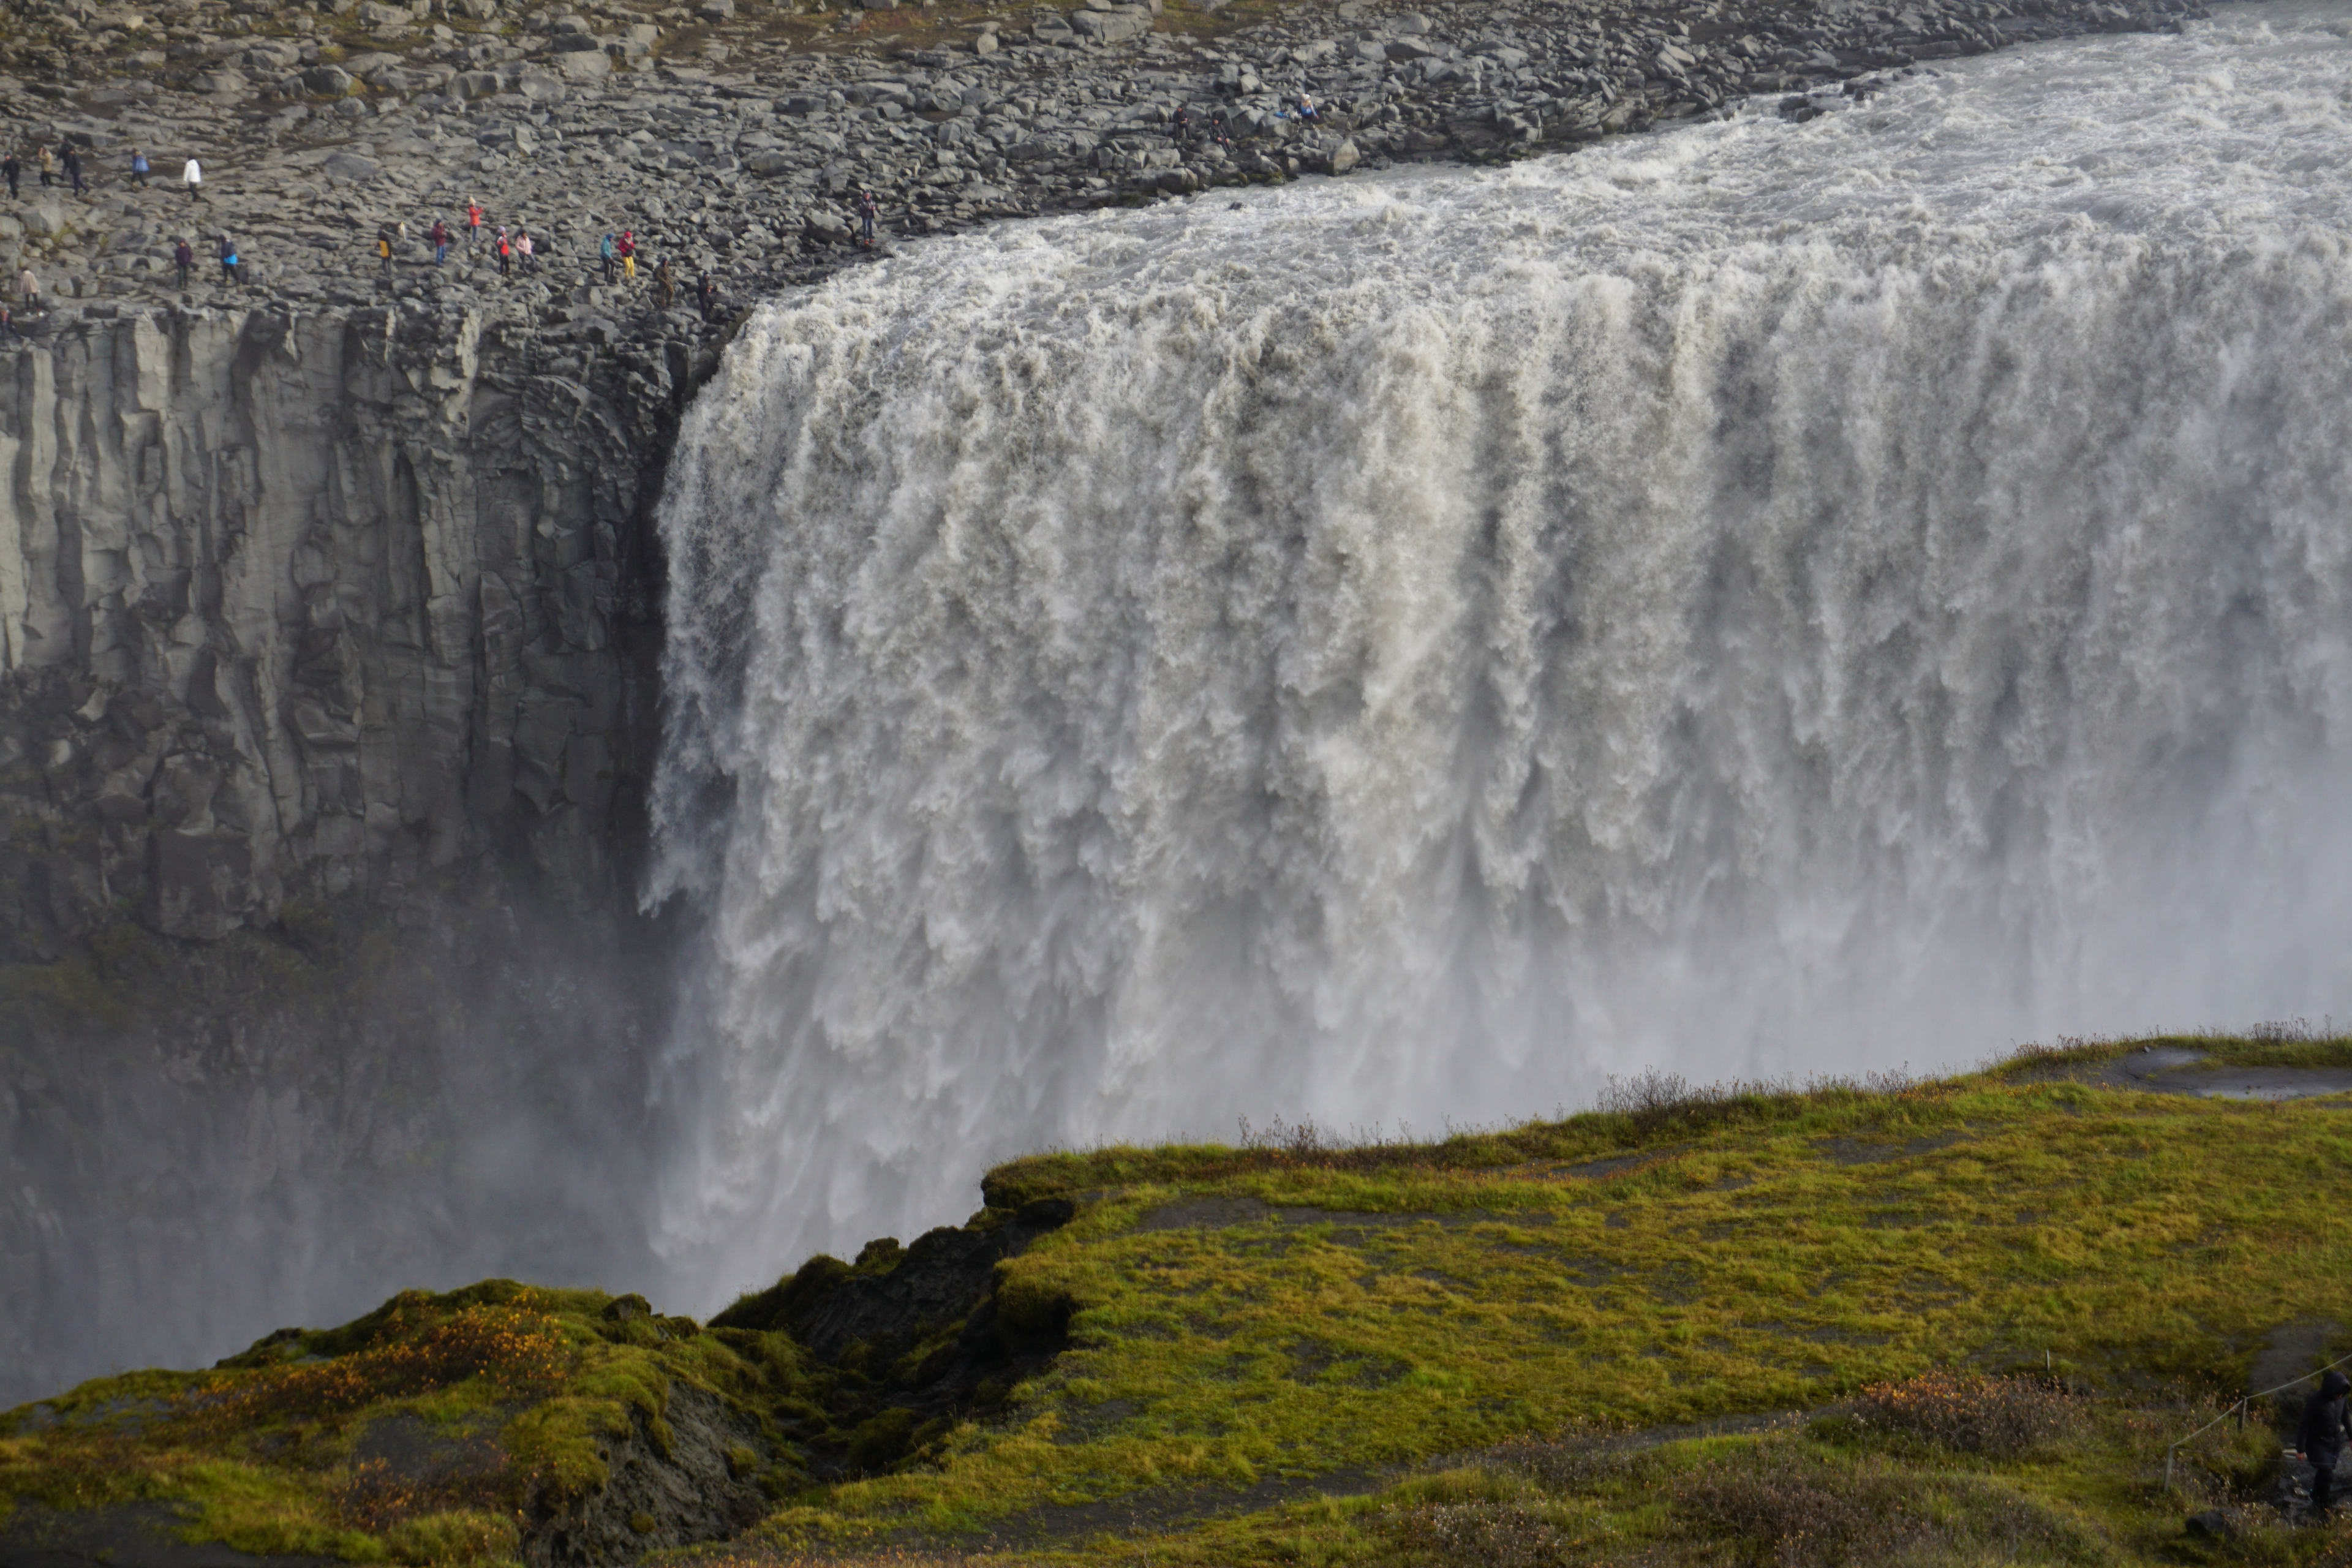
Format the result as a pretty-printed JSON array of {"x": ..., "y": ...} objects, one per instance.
[
  {"x": 327, "y": 81},
  {"x": 352, "y": 168},
  {"x": 223, "y": 86}
]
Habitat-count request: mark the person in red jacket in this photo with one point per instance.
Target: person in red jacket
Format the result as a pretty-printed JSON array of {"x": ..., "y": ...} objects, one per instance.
[
  {"x": 473, "y": 223},
  {"x": 505, "y": 252},
  {"x": 440, "y": 242}
]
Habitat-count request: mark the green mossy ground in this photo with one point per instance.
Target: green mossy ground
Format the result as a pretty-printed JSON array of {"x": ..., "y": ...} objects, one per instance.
[
  {"x": 265, "y": 1453},
  {"x": 1501, "y": 1350}
]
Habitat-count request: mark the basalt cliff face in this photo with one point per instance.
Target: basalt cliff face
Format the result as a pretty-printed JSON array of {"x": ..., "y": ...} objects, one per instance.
[
  {"x": 327, "y": 687},
  {"x": 295, "y": 607}
]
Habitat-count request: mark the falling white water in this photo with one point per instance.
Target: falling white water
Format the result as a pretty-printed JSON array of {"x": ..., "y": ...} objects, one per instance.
[{"x": 1761, "y": 599}]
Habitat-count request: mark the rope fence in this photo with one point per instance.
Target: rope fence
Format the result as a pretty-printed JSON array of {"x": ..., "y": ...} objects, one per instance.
[{"x": 2239, "y": 1410}]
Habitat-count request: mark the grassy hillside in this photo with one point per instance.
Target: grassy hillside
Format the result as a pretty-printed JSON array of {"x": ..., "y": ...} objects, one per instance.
[{"x": 1954, "y": 1322}]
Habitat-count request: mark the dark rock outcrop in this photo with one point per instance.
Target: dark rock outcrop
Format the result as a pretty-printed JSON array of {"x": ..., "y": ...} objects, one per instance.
[
  {"x": 908, "y": 1340},
  {"x": 676, "y": 1492}
]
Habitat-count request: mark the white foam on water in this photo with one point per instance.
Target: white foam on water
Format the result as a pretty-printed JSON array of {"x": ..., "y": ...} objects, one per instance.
[{"x": 1761, "y": 599}]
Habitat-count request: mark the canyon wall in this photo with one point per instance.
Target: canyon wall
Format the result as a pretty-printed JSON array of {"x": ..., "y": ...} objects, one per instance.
[{"x": 327, "y": 683}]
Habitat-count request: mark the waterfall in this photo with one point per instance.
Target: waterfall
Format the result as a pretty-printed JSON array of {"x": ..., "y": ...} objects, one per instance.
[{"x": 1765, "y": 598}]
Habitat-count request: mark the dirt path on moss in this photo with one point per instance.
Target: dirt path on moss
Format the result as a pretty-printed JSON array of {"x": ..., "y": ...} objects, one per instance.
[
  {"x": 2182, "y": 1069},
  {"x": 1165, "y": 1510}
]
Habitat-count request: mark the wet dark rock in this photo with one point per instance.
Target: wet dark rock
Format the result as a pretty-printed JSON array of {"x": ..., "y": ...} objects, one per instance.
[{"x": 920, "y": 1334}]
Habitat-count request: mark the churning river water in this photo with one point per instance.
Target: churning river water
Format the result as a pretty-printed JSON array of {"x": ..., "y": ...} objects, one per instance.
[{"x": 1762, "y": 599}]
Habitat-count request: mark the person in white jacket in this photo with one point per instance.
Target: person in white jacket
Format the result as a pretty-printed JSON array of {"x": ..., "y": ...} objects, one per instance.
[{"x": 194, "y": 178}]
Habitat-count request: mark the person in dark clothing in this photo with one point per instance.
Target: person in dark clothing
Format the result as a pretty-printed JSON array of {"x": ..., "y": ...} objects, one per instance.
[
  {"x": 228, "y": 260},
  {"x": 139, "y": 168},
  {"x": 705, "y": 294},
  {"x": 384, "y": 250},
  {"x": 2321, "y": 1437},
  {"x": 666, "y": 283},
  {"x": 183, "y": 255},
  {"x": 13, "y": 168},
  {"x": 867, "y": 209},
  {"x": 72, "y": 161}
]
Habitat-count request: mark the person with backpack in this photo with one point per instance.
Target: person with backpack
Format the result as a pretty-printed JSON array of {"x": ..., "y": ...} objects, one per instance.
[
  {"x": 140, "y": 169},
  {"x": 229, "y": 260},
  {"x": 608, "y": 252},
  {"x": 384, "y": 250},
  {"x": 183, "y": 255},
  {"x": 2321, "y": 1436}
]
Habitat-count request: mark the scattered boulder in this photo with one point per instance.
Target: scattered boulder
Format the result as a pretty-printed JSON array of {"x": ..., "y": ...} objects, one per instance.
[{"x": 223, "y": 86}]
